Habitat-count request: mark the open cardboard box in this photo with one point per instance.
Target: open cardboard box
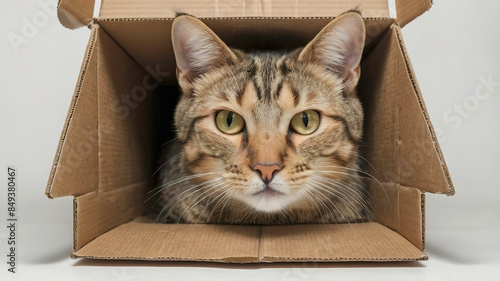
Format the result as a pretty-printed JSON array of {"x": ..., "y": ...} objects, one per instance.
[{"x": 108, "y": 147}]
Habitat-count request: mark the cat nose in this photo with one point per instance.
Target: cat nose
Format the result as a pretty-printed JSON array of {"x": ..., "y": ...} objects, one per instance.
[{"x": 267, "y": 171}]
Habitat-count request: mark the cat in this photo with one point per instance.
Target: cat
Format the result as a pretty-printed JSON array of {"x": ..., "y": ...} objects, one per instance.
[{"x": 265, "y": 137}]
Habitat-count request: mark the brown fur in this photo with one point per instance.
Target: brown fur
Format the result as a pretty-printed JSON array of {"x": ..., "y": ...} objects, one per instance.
[{"x": 208, "y": 174}]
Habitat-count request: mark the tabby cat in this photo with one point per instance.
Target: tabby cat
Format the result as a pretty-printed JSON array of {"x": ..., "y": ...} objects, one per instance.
[{"x": 265, "y": 137}]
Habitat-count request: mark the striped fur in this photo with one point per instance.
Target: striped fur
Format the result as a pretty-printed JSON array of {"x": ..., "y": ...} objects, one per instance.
[{"x": 208, "y": 176}]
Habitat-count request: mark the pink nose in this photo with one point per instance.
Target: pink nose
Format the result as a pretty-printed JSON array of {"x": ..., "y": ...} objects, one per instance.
[{"x": 266, "y": 171}]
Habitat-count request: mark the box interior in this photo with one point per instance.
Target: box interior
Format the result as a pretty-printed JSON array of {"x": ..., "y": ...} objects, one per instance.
[{"x": 109, "y": 147}]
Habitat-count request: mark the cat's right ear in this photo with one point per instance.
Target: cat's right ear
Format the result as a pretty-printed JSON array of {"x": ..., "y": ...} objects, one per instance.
[{"x": 197, "y": 49}]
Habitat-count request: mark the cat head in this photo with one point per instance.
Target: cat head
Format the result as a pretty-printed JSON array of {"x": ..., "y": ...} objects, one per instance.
[{"x": 273, "y": 128}]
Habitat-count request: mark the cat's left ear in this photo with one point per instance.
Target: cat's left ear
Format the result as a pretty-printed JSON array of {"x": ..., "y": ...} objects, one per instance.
[
  {"x": 338, "y": 47},
  {"x": 197, "y": 49}
]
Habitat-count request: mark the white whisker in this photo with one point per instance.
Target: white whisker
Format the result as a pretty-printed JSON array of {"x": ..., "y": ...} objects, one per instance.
[
  {"x": 167, "y": 142},
  {"x": 198, "y": 187},
  {"x": 197, "y": 202},
  {"x": 324, "y": 205},
  {"x": 341, "y": 196},
  {"x": 179, "y": 180},
  {"x": 210, "y": 202},
  {"x": 166, "y": 162}
]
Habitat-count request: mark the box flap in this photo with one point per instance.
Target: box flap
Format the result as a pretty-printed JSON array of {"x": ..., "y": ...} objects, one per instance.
[
  {"x": 137, "y": 240},
  {"x": 400, "y": 208},
  {"x": 403, "y": 146},
  {"x": 76, "y": 13},
  {"x": 240, "y": 8},
  {"x": 99, "y": 148},
  {"x": 97, "y": 212},
  {"x": 408, "y": 10},
  {"x": 75, "y": 168},
  {"x": 331, "y": 242}
]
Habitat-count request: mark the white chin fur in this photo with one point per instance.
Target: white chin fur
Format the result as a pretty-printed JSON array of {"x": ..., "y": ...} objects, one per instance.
[{"x": 269, "y": 203}]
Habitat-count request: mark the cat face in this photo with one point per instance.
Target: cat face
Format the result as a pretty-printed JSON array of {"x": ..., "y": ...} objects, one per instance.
[{"x": 276, "y": 129}]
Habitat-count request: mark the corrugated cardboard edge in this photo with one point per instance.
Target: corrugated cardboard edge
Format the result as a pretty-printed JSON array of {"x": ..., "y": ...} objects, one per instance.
[
  {"x": 422, "y": 258},
  {"x": 241, "y": 260},
  {"x": 416, "y": 88},
  {"x": 75, "y": 208},
  {"x": 252, "y": 260},
  {"x": 234, "y": 18},
  {"x": 78, "y": 88},
  {"x": 423, "y": 219}
]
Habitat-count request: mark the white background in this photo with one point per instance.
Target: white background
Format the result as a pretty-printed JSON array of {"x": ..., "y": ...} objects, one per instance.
[{"x": 452, "y": 47}]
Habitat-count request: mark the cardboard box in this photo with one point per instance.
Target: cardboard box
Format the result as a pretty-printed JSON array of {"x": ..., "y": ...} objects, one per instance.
[{"x": 106, "y": 154}]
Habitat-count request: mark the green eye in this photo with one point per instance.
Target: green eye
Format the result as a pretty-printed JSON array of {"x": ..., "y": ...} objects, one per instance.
[
  {"x": 229, "y": 122},
  {"x": 306, "y": 122}
]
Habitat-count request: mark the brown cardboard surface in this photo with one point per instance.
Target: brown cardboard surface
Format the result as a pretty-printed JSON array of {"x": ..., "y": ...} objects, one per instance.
[
  {"x": 100, "y": 121},
  {"x": 416, "y": 151},
  {"x": 98, "y": 212},
  {"x": 247, "y": 244},
  {"x": 402, "y": 144},
  {"x": 239, "y": 8},
  {"x": 400, "y": 208},
  {"x": 126, "y": 123},
  {"x": 125, "y": 140},
  {"x": 75, "y": 167},
  {"x": 408, "y": 10},
  {"x": 329, "y": 242},
  {"x": 153, "y": 49},
  {"x": 75, "y": 13},
  {"x": 148, "y": 241}
]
